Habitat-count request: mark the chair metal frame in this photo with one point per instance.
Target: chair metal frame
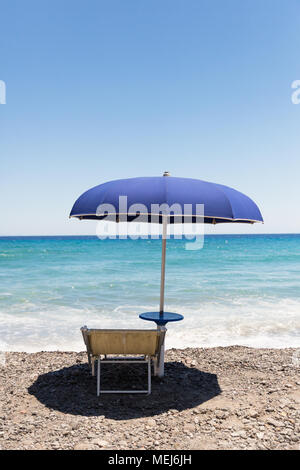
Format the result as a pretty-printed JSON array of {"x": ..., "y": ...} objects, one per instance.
[{"x": 145, "y": 359}]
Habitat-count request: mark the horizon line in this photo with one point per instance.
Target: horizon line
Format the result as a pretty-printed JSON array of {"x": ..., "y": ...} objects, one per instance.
[{"x": 206, "y": 234}]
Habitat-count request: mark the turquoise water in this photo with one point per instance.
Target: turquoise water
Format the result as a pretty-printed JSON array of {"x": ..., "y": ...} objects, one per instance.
[{"x": 238, "y": 289}]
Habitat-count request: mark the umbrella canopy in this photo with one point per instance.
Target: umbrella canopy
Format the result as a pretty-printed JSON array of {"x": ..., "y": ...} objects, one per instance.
[{"x": 221, "y": 203}]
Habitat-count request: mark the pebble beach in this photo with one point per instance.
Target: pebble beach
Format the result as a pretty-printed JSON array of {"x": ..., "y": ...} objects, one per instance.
[{"x": 210, "y": 398}]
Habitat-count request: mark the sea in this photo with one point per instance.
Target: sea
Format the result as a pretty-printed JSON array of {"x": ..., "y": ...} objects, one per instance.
[{"x": 235, "y": 290}]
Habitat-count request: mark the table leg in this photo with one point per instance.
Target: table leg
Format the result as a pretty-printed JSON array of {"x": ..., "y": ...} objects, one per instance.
[{"x": 159, "y": 369}]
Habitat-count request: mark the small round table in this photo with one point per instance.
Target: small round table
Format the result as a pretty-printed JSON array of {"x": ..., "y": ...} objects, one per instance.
[{"x": 161, "y": 319}]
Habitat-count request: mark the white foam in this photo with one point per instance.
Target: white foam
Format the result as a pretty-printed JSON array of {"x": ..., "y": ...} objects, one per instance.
[{"x": 262, "y": 322}]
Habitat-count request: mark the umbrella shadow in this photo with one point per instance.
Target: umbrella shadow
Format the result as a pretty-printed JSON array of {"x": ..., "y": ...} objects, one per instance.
[{"x": 72, "y": 390}]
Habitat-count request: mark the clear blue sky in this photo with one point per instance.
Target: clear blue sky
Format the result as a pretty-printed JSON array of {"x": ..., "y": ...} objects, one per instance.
[{"x": 100, "y": 90}]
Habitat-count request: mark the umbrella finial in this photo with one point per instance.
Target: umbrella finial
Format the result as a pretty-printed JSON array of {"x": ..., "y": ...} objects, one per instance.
[{"x": 166, "y": 173}]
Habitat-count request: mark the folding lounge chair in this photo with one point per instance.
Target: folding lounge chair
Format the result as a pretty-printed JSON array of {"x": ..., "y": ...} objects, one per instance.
[{"x": 125, "y": 342}]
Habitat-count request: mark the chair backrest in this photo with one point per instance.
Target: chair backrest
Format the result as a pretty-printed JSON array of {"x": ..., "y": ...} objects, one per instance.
[{"x": 146, "y": 342}]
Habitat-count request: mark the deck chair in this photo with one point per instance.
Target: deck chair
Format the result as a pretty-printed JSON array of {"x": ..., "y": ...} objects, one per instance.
[{"x": 145, "y": 345}]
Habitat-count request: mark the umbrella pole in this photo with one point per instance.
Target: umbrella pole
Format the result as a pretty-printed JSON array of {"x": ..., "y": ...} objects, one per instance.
[
  {"x": 163, "y": 265},
  {"x": 160, "y": 365}
]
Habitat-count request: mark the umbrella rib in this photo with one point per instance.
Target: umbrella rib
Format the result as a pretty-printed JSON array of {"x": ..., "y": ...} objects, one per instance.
[{"x": 225, "y": 195}]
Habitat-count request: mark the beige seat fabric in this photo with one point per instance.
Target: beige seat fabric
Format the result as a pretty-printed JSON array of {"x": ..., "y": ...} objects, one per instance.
[{"x": 123, "y": 342}]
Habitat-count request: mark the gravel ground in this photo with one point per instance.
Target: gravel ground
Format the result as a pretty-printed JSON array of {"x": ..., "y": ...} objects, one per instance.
[{"x": 217, "y": 398}]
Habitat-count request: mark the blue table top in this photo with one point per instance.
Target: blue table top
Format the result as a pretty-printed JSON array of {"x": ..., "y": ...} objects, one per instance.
[{"x": 161, "y": 319}]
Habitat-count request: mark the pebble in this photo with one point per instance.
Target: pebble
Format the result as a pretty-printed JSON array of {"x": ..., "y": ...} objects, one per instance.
[
  {"x": 275, "y": 423},
  {"x": 100, "y": 442},
  {"x": 83, "y": 446}
]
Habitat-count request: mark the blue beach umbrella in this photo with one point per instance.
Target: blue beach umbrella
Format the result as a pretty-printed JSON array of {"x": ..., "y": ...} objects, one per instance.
[
  {"x": 163, "y": 200},
  {"x": 221, "y": 203}
]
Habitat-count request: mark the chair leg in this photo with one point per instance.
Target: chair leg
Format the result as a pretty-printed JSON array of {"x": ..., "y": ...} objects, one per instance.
[
  {"x": 93, "y": 366},
  {"x": 155, "y": 366},
  {"x": 89, "y": 359},
  {"x": 98, "y": 377},
  {"x": 149, "y": 375}
]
